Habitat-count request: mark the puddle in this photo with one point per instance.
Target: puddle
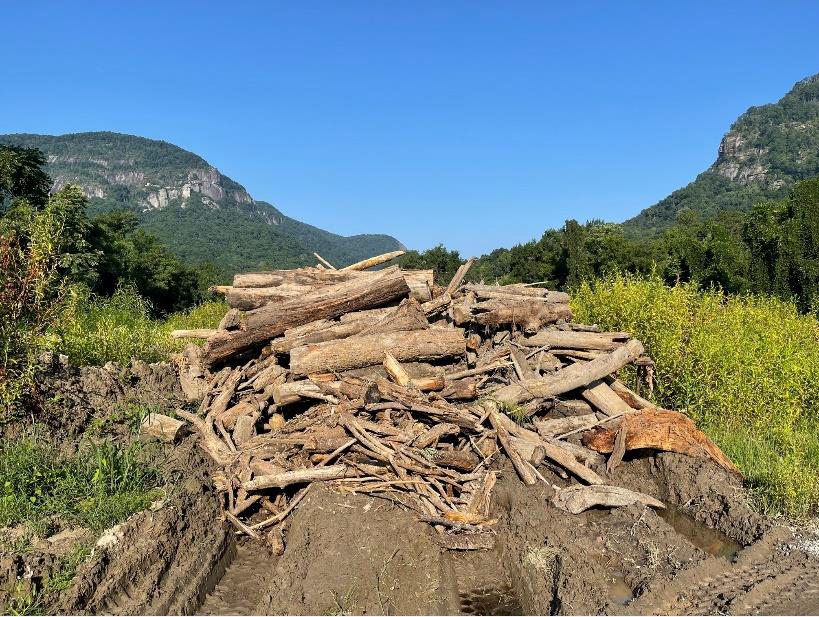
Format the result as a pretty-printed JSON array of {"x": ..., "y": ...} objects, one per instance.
[
  {"x": 619, "y": 592},
  {"x": 710, "y": 540},
  {"x": 490, "y": 601}
]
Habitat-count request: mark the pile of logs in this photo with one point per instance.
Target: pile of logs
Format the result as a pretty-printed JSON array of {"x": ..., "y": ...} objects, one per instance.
[{"x": 382, "y": 382}]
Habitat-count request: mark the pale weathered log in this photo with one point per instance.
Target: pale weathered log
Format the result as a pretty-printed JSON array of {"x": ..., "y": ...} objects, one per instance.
[
  {"x": 521, "y": 364},
  {"x": 577, "y": 499},
  {"x": 431, "y": 436},
  {"x": 289, "y": 393},
  {"x": 406, "y": 316},
  {"x": 272, "y": 320},
  {"x": 161, "y": 426},
  {"x": 299, "y": 276},
  {"x": 191, "y": 374},
  {"x": 476, "y": 371},
  {"x": 658, "y": 430},
  {"x": 428, "y": 384},
  {"x": 324, "y": 261},
  {"x": 459, "y": 276},
  {"x": 420, "y": 283},
  {"x": 531, "y": 316},
  {"x": 524, "y": 469},
  {"x": 585, "y": 455},
  {"x": 604, "y": 399},
  {"x": 436, "y": 305},
  {"x": 203, "y": 333},
  {"x": 501, "y": 291},
  {"x": 369, "y": 350},
  {"x": 572, "y": 340},
  {"x": 373, "y": 261},
  {"x": 300, "y": 476},
  {"x": 571, "y": 377},
  {"x": 572, "y": 407},
  {"x": 558, "y": 426}
]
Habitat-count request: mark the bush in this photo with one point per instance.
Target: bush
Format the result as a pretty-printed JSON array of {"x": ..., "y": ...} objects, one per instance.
[
  {"x": 93, "y": 330},
  {"x": 745, "y": 368}
]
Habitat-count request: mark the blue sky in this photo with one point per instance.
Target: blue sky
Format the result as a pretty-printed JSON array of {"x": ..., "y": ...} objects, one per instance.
[{"x": 472, "y": 124}]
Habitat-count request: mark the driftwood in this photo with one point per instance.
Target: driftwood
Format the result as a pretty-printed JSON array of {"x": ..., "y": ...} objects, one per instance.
[
  {"x": 575, "y": 340},
  {"x": 658, "y": 430},
  {"x": 373, "y": 261},
  {"x": 323, "y": 384},
  {"x": 369, "y": 350},
  {"x": 270, "y": 321},
  {"x": 577, "y": 499},
  {"x": 571, "y": 377},
  {"x": 203, "y": 333}
]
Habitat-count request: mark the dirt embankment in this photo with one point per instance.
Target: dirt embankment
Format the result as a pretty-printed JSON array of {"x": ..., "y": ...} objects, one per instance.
[{"x": 355, "y": 554}]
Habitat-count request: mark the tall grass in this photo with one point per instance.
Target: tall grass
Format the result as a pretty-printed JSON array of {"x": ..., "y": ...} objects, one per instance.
[
  {"x": 745, "y": 368},
  {"x": 93, "y": 330}
]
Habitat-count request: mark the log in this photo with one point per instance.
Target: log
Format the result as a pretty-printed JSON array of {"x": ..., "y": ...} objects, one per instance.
[
  {"x": 369, "y": 350},
  {"x": 431, "y": 436},
  {"x": 161, "y": 426},
  {"x": 524, "y": 469},
  {"x": 577, "y": 499},
  {"x": 558, "y": 426},
  {"x": 301, "y": 276},
  {"x": 498, "y": 291},
  {"x": 658, "y": 430},
  {"x": 456, "y": 459},
  {"x": 420, "y": 283},
  {"x": 459, "y": 276},
  {"x": 603, "y": 398},
  {"x": 300, "y": 476},
  {"x": 521, "y": 364},
  {"x": 460, "y": 390},
  {"x": 572, "y": 340},
  {"x": 515, "y": 311},
  {"x": 289, "y": 393},
  {"x": 270, "y": 321},
  {"x": 373, "y": 261},
  {"x": 203, "y": 333},
  {"x": 571, "y": 377},
  {"x": 407, "y": 316},
  {"x": 324, "y": 261},
  {"x": 428, "y": 384}
]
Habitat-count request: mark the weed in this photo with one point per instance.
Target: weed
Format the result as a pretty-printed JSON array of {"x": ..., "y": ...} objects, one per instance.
[
  {"x": 129, "y": 415},
  {"x": 25, "y": 599},
  {"x": 745, "y": 368},
  {"x": 63, "y": 575},
  {"x": 99, "y": 486}
]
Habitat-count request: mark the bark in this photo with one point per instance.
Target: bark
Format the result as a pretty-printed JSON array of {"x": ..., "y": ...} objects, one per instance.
[
  {"x": 369, "y": 350},
  {"x": 270, "y": 321},
  {"x": 658, "y": 430},
  {"x": 456, "y": 459},
  {"x": 373, "y": 261},
  {"x": 515, "y": 311},
  {"x": 460, "y": 390},
  {"x": 521, "y": 364},
  {"x": 230, "y": 321},
  {"x": 301, "y": 276},
  {"x": 524, "y": 469},
  {"x": 558, "y": 426},
  {"x": 601, "y": 396},
  {"x": 577, "y": 499},
  {"x": 572, "y": 340},
  {"x": 431, "y": 436},
  {"x": 571, "y": 377}
]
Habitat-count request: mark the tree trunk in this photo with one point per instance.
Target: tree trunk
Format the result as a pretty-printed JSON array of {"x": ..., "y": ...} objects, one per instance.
[
  {"x": 571, "y": 377},
  {"x": 604, "y": 398},
  {"x": 521, "y": 311},
  {"x": 360, "y": 351},
  {"x": 271, "y": 321},
  {"x": 504, "y": 291},
  {"x": 373, "y": 261}
]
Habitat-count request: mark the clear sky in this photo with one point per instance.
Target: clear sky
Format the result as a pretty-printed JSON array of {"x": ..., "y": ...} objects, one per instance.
[{"x": 474, "y": 124}]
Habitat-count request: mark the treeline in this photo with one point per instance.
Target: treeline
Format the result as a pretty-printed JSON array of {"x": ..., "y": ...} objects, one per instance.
[
  {"x": 772, "y": 250},
  {"x": 51, "y": 238}
]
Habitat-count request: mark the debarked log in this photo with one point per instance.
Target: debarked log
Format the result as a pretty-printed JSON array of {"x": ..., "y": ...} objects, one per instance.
[
  {"x": 532, "y": 316},
  {"x": 300, "y": 476},
  {"x": 574, "y": 340},
  {"x": 571, "y": 377},
  {"x": 360, "y": 351}
]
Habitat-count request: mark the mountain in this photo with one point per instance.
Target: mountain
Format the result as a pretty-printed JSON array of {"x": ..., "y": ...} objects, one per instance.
[
  {"x": 768, "y": 149},
  {"x": 198, "y": 212}
]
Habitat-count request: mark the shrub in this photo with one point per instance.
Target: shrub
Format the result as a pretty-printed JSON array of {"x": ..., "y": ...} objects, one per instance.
[{"x": 745, "y": 368}]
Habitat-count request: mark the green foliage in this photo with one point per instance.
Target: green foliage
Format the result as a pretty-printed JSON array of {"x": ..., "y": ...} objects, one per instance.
[
  {"x": 63, "y": 575},
  {"x": 444, "y": 263},
  {"x": 98, "y": 487},
  {"x": 22, "y": 176},
  {"x": 745, "y": 368},
  {"x": 93, "y": 330}
]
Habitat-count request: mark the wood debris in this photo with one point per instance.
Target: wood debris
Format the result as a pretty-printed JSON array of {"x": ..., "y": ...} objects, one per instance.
[{"x": 382, "y": 383}]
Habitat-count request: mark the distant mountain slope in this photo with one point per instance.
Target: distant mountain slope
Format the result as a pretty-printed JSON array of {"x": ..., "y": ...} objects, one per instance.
[
  {"x": 767, "y": 150},
  {"x": 198, "y": 212}
]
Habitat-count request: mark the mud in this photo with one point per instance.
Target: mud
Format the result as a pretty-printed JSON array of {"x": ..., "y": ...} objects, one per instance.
[{"x": 354, "y": 554}]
